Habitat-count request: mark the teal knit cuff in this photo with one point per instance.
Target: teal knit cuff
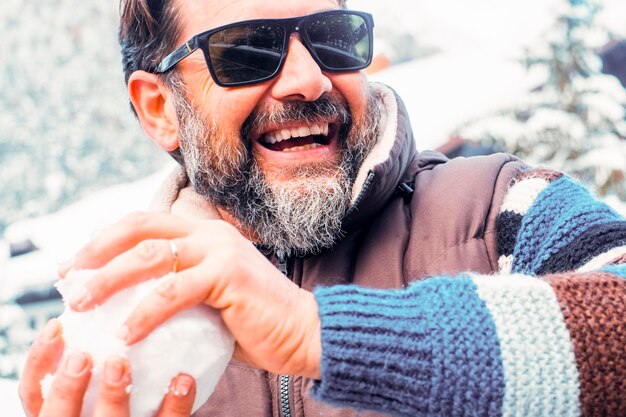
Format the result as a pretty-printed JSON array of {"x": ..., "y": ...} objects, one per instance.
[{"x": 397, "y": 351}]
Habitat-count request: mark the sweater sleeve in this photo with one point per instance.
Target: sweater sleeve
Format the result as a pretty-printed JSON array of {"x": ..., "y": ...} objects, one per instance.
[{"x": 545, "y": 336}]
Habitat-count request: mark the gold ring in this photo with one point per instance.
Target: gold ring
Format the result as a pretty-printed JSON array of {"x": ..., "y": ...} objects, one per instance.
[{"x": 174, "y": 250}]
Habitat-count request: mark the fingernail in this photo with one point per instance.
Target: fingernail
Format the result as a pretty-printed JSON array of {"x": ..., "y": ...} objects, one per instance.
[
  {"x": 80, "y": 298},
  {"x": 182, "y": 385},
  {"x": 76, "y": 363},
  {"x": 114, "y": 371},
  {"x": 50, "y": 331},
  {"x": 122, "y": 333}
]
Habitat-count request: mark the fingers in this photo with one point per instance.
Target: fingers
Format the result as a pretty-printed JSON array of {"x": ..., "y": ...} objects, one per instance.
[
  {"x": 179, "y": 399},
  {"x": 149, "y": 259},
  {"x": 123, "y": 236},
  {"x": 114, "y": 392},
  {"x": 174, "y": 293},
  {"x": 42, "y": 360},
  {"x": 68, "y": 388}
]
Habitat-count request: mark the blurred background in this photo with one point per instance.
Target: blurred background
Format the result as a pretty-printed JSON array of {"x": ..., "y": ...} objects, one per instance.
[{"x": 543, "y": 79}]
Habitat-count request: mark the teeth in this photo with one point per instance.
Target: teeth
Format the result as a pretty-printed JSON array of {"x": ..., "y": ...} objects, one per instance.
[
  {"x": 285, "y": 134},
  {"x": 303, "y": 131},
  {"x": 302, "y": 148}
]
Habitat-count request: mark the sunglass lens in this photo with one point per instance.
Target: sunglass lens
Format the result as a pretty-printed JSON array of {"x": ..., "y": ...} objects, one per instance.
[
  {"x": 341, "y": 41},
  {"x": 246, "y": 53}
]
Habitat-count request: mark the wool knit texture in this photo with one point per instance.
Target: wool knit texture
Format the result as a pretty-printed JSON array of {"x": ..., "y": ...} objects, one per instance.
[{"x": 545, "y": 336}]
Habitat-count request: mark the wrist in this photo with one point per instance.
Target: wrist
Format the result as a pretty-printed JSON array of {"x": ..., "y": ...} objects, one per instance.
[{"x": 313, "y": 345}]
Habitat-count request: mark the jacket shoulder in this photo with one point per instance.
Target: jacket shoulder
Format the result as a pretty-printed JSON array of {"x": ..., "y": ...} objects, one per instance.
[{"x": 453, "y": 212}]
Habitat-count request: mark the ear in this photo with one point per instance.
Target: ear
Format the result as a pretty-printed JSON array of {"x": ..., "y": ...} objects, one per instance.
[{"x": 155, "y": 109}]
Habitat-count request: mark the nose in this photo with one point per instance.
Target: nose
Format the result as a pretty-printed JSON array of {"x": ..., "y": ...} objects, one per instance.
[{"x": 300, "y": 78}]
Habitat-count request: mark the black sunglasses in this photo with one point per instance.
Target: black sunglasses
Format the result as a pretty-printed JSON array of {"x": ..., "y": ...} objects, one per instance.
[{"x": 254, "y": 50}]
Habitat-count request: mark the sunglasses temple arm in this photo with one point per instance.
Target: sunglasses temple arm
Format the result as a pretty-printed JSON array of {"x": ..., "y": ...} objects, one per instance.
[{"x": 178, "y": 55}]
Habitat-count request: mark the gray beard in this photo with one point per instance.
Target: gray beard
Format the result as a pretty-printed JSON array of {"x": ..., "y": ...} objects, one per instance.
[{"x": 302, "y": 215}]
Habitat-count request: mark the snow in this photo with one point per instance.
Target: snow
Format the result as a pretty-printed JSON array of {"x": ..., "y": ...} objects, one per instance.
[
  {"x": 60, "y": 235},
  {"x": 617, "y": 204},
  {"x": 28, "y": 271},
  {"x": 476, "y": 68},
  {"x": 75, "y": 223},
  {"x": 606, "y": 159},
  {"x": 444, "y": 90},
  {"x": 506, "y": 25},
  {"x": 10, "y": 315},
  {"x": 473, "y": 72},
  {"x": 599, "y": 109},
  {"x": 65, "y": 125},
  {"x": 11, "y": 405},
  {"x": 606, "y": 84},
  {"x": 613, "y": 16},
  {"x": 194, "y": 341},
  {"x": 501, "y": 27},
  {"x": 4, "y": 261},
  {"x": 552, "y": 119}
]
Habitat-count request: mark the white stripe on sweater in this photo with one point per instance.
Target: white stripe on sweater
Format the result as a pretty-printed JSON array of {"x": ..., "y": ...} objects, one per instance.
[
  {"x": 523, "y": 194},
  {"x": 604, "y": 258},
  {"x": 505, "y": 264},
  {"x": 541, "y": 377}
]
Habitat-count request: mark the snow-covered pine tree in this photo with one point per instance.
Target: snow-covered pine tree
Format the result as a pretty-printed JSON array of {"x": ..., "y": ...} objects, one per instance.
[
  {"x": 65, "y": 128},
  {"x": 574, "y": 120}
]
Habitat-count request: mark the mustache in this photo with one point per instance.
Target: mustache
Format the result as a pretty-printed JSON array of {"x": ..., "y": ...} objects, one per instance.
[{"x": 327, "y": 107}]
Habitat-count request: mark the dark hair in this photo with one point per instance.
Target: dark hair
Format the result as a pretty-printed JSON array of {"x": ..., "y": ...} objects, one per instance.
[{"x": 149, "y": 30}]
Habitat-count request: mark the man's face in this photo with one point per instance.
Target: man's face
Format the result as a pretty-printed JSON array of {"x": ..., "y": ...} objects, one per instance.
[{"x": 280, "y": 156}]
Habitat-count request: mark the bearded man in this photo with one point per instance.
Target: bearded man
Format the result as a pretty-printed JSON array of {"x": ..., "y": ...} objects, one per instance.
[{"x": 292, "y": 164}]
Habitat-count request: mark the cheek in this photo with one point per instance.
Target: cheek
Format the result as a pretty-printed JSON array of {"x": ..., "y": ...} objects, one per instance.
[
  {"x": 228, "y": 108},
  {"x": 355, "y": 90},
  {"x": 225, "y": 107}
]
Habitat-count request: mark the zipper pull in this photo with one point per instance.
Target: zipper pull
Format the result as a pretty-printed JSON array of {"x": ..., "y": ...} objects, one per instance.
[
  {"x": 282, "y": 262},
  {"x": 406, "y": 190}
]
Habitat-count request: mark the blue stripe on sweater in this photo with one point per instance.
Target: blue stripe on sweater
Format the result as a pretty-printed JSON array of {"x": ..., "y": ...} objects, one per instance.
[
  {"x": 619, "y": 270},
  {"x": 561, "y": 213},
  {"x": 446, "y": 327}
]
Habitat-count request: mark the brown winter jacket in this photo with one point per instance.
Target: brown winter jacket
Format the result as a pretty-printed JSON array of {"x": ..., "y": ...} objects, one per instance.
[{"x": 393, "y": 236}]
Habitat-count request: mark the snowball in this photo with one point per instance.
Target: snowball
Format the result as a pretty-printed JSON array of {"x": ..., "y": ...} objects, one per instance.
[{"x": 194, "y": 341}]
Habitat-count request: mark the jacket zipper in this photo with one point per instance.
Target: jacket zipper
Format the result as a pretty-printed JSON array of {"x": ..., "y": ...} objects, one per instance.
[
  {"x": 282, "y": 262},
  {"x": 284, "y": 396},
  {"x": 285, "y": 406}
]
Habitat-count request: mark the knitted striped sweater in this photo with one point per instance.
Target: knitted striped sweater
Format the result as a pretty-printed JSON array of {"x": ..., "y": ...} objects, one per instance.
[{"x": 532, "y": 340}]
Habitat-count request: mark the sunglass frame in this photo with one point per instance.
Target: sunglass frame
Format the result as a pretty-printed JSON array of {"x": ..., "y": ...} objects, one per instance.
[{"x": 289, "y": 26}]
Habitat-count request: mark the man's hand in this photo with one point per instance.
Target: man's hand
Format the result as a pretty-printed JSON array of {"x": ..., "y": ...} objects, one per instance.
[
  {"x": 72, "y": 377},
  {"x": 275, "y": 322}
]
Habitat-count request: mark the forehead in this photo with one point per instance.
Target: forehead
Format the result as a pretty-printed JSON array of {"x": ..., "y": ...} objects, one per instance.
[{"x": 200, "y": 15}]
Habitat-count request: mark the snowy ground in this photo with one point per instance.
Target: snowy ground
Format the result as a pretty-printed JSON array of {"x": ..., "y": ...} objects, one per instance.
[
  {"x": 11, "y": 405},
  {"x": 59, "y": 235}
]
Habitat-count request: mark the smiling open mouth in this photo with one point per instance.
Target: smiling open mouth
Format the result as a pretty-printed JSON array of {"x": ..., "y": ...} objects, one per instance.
[{"x": 301, "y": 138}]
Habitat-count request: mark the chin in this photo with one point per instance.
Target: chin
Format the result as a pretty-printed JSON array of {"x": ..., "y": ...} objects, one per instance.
[{"x": 303, "y": 176}]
